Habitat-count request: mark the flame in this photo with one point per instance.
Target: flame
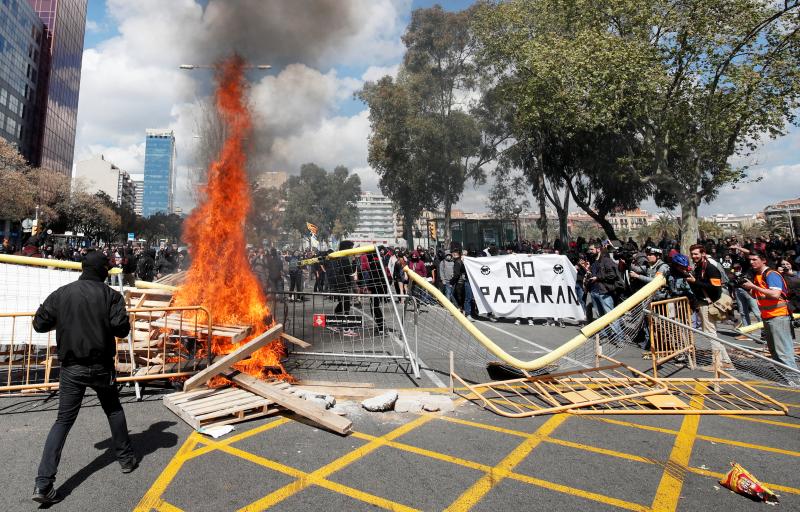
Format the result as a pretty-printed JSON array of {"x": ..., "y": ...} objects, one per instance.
[{"x": 220, "y": 277}]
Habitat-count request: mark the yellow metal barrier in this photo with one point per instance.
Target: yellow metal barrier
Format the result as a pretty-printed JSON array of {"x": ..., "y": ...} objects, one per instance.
[
  {"x": 668, "y": 340},
  {"x": 179, "y": 348},
  {"x": 340, "y": 254},
  {"x": 549, "y": 358},
  {"x": 758, "y": 325},
  {"x": 73, "y": 265}
]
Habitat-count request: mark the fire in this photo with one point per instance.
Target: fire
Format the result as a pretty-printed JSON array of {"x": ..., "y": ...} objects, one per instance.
[{"x": 220, "y": 277}]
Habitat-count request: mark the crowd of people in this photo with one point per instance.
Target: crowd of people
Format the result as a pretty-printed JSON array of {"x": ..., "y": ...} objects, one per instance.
[{"x": 758, "y": 278}]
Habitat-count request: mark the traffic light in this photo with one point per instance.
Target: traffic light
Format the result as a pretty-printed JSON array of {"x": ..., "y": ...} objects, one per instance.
[
  {"x": 35, "y": 227},
  {"x": 432, "y": 229}
]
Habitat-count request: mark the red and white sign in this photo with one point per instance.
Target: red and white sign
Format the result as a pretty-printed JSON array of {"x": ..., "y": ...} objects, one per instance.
[{"x": 319, "y": 321}]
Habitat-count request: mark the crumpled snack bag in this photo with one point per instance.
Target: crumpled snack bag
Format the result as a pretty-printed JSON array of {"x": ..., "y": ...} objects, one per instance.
[{"x": 740, "y": 481}]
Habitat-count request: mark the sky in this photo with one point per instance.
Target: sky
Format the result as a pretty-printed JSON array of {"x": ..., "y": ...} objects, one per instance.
[{"x": 322, "y": 51}]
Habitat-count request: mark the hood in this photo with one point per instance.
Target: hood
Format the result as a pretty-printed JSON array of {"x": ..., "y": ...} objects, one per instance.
[{"x": 95, "y": 266}]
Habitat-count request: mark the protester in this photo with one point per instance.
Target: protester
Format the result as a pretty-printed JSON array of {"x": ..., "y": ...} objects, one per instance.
[
  {"x": 706, "y": 284},
  {"x": 87, "y": 315}
]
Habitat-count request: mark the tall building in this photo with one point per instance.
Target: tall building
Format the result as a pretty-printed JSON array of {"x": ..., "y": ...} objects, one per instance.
[
  {"x": 65, "y": 24},
  {"x": 159, "y": 172},
  {"x": 375, "y": 220},
  {"x": 138, "y": 185},
  {"x": 98, "y": 174},
  {"x": 23, "y": 60}
]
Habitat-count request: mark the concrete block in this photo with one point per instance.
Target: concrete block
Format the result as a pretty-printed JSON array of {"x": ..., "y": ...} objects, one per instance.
[
  {"x": 380, "y": 403},
  {"x": 435, "y": 403},
  {"x": 407, "y": 405}
]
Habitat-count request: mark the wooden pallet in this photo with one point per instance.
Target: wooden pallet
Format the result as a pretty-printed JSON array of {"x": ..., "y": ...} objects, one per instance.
[{"x": 204, "y": 408}]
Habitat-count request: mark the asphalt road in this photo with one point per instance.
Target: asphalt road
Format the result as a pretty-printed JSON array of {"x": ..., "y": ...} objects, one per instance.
[{"x": 470, "y": 459}]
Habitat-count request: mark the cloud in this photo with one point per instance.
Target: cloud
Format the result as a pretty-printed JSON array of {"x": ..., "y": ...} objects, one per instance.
[
  {"x": 375, "y": 73},
  {"x": 131, "y": 81}
]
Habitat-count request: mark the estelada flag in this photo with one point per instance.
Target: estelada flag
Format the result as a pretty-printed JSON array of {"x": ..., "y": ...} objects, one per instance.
[{"x": 312, "y": 228}]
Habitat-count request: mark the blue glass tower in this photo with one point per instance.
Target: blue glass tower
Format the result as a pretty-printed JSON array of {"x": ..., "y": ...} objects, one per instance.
[{"x": 159, "y": 172}]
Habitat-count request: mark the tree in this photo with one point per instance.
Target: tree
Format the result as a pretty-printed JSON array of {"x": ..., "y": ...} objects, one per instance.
[
  {"x": 266, "y": 217},
  {"x": 327, "y": 200},
  {"x": 507, "y": 198},
  {"x": 583, "y": 147},
  {"x": 438, "y": 71},
  {"x": 404, "y": 178},
  {"x": 89, "y": 214},
  {"x": 697, "y": 81}
]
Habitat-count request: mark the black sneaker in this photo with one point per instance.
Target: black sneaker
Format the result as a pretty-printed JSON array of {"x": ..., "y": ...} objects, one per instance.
[
  {"x": 129, "y": 465},
  {"x": 48, "y": 497}
]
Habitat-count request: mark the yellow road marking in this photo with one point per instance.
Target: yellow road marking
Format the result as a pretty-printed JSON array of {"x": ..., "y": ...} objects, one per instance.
[
  {"x": 669, "y": 489},
  {"x": 168, "y": 507},
  {"x": 429, "y": 453},
  {"x": 711, "y": 439},
  {"x": 777, "y": 388},
  {"x": 765, "y": 422},
  {"x": 333, "y": 486},
  {"x": 152, "y": 498},
  {"x": 578, "y": 492},
  {"x": 211, "y": 445},
  {"x": 634, "y": 425},
  {"x": 479, "y": 489},
  {"x": 741, "y": 444},
  {"x": 459, "y": 421},
  {"x": 338, "y": 464}
]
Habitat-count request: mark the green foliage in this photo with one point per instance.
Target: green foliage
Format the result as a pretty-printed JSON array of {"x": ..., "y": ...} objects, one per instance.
[
  {"x": 327, "y": 200},
  {"x": 404, "y": 177},
  {"x": 681, "y": 85},
  {"x": 266, "y": 217}
]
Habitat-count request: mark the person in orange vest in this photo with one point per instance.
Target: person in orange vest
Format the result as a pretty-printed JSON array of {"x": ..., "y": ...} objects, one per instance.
[{"x": 771, "y": 293}]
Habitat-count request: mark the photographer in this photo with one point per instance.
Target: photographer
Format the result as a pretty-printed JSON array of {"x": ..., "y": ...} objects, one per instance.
[
  {"x": 770, "y": 290},
  {"x": 744, "y": 301}
]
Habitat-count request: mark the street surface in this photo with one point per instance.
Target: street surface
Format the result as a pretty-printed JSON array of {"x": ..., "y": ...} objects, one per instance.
[{"x": 467, "y": 460}]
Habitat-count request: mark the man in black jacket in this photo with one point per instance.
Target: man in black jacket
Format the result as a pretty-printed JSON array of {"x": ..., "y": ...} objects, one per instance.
[{"x": 86, "y": 315}]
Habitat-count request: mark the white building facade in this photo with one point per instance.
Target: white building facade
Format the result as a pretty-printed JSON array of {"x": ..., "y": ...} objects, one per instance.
[
  {"x": 376, "y": 223},
  {"x": 98, "y": 174}
]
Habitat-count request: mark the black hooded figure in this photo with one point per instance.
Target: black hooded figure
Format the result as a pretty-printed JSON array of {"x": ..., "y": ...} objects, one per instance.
[{"x": 87, "y": 315}]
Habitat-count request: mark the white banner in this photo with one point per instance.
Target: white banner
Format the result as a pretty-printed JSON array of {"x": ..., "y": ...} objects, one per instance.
[{"x": 525, "y": 286}]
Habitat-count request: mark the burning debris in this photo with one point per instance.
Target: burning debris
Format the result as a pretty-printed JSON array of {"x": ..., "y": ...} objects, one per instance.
[{"x": 220, "y": 277}]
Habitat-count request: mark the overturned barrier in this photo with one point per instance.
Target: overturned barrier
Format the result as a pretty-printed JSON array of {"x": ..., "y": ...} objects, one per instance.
[
  {"x": 616, "y": 388},
  {"x": 448, "y": 330},
  {"x": 670, "y": 340}
]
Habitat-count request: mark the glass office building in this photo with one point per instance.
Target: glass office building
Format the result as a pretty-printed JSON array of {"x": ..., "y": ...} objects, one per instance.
[
  {"x": 23, "y": 49},
  {"x": 65, "y": 24},
  {"x": 159, "y": 172}
]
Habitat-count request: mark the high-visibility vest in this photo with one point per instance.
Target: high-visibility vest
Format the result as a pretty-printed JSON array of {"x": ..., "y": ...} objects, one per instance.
[{"x": 771, "y": 308}]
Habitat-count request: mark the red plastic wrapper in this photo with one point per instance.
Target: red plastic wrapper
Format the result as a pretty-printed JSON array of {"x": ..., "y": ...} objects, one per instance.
[{"x": 740, "y": 481}]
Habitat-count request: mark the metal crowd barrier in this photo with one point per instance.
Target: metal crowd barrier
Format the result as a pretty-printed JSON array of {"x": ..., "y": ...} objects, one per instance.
[
  {"x": 164, "y": 343},
  {"x": 669, "y": 340},
  {"x": 350, "y": 327}
]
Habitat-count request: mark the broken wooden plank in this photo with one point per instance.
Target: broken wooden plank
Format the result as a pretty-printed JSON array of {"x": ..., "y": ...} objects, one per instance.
[
  {"x": 175, "y": 323},
  {"x": 225, "y": 362},
  {"x": 295, "y": 404},
  {"x": 296, "y": 341}
]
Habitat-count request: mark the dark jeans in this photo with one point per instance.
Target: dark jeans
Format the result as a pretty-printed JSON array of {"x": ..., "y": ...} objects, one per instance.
[{"x": 73, "y": 382}]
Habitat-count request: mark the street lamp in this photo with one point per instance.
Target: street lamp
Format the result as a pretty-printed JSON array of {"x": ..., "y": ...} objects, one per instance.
[{"x": 209, "y": 66}]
